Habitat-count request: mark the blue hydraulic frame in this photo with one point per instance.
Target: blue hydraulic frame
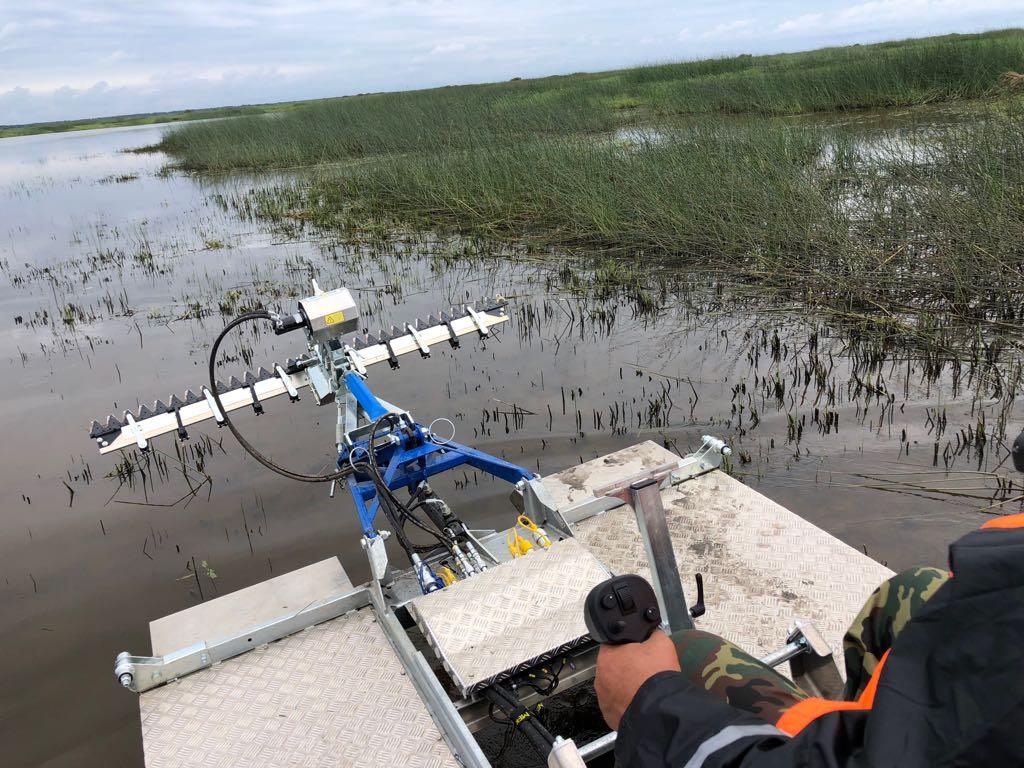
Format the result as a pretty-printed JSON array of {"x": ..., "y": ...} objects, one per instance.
[{"x": 415, "y": 457}]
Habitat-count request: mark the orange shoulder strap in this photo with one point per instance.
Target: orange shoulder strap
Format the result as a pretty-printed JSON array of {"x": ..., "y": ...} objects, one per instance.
[
  {"x": 1006, "y": 521},
  {"x": 801, "y": 714}
]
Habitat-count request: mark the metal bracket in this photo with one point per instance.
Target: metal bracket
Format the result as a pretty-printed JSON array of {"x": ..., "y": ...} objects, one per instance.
[
  {"x": 140, "y": 673},
  {"x": 377, "y": 554},
  {"x": 811, "y": 661},
  {"x": 479, "y": 321},
  {"x": 815, "y": 671},
  {"x": 539, "y": 506},
  {"x": 704, "y": 459},
  {"x": 132, "y": 427}
]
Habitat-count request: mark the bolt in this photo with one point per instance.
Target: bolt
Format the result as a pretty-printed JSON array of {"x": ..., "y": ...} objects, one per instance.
[{"x": 125, "y": 679}]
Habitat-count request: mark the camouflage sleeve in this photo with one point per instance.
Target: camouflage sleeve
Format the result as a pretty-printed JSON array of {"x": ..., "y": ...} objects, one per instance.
[
  {"x": 734, "y": 676},
  {"x": 882, "y": 618}
]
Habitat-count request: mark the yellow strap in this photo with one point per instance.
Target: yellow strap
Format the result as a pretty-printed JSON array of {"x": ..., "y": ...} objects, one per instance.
[
  {"x": 517, "y": 545},
  {"x": 539, "y": 533},
  {"x": 447, "y": 575}
]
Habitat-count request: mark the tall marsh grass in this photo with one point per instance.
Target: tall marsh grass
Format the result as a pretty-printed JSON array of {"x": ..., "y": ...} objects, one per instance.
[
  {"x": 892, "y": 74},
  {"x": 926, "y": 221},
  {"x": 917, "y": 228}
]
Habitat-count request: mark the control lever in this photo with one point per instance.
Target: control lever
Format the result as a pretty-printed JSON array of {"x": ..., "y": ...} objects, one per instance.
[
  {"x": 698, "y": 609},
  {"x": 623, "y": 609}
]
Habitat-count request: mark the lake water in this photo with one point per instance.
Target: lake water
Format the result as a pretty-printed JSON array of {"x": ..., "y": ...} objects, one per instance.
[{"x": 113, "y": 275}]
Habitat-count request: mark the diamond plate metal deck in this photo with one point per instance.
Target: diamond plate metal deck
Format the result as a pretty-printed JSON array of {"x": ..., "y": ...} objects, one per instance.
[
  {"x": 333, "y": 695},
  {"x": 512, "y": 616},
  {"x": 763, "y": 565}
]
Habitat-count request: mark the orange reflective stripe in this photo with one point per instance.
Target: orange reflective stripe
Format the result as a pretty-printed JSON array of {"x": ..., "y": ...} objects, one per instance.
[
  {"x": 803, "y": 713},
  {"x": 1006, "y": 521},
  {"x": 867, "y": 698}
]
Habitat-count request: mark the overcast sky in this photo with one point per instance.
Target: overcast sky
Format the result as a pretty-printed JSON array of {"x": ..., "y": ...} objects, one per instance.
[{"x": 63, "y": 59}]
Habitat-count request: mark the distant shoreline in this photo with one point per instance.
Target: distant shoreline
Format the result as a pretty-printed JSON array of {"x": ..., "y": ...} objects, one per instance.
[{"x": 150, "y": 118}]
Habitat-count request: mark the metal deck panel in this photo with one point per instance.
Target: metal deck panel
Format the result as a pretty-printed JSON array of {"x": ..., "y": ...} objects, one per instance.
[
  {"x": 234, "y": 613},
  {"x": 763, "y": 565},
  {"x": 333, "y": 695},
  {"x": 578, "y": 483},
  {"x": 511, "y": 616}
]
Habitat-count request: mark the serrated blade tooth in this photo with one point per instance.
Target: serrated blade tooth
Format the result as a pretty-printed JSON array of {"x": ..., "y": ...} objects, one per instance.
[
  {"x": 234, "y": 383},
  {"x": 159, "y": 407},
  {"x": 222, "y": 387},
  {"x": 262, "y": 374},
  {"x": 113, "y": 423},
  {"x": 95, "y": 430},
  {"x": 144, "y": 413},
  {"x": 191, "y": 397},
  {"x": 249, "y": 379}
]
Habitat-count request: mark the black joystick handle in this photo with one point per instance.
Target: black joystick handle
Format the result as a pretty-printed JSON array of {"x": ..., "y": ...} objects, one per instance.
[{"x": 623, "y": 609}]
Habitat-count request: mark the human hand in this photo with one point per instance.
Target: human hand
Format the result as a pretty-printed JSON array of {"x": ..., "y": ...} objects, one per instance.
[{"x": 622, "y": 669}]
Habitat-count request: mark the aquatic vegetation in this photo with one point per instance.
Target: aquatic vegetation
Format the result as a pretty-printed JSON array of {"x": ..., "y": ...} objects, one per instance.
[{"x": 901, "y": 73}]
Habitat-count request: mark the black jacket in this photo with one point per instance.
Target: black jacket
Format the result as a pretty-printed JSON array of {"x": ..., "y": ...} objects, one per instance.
[{"x": 951, "y": 692}]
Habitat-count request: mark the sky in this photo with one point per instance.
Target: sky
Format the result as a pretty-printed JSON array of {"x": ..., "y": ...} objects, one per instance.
[{"x": 66, "y": 59}]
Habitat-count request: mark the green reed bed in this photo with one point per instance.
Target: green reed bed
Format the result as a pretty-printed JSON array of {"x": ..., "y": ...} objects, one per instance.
[
  {"x": 493, "y": 116},
  {"x": 908, "y": 73},
  {"x": 924, "y": 222}
]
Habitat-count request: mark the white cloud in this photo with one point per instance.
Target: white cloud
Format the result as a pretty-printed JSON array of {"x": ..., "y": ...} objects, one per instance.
[
  {"x": 13, "y": 27},
  {"x": 882, "y": 14},
  {"x": 443, "y": 48},
  {"x": 114, "y": 56},
  {"x": 729, "y": 29},
  {"x": 805, "y": 23}
]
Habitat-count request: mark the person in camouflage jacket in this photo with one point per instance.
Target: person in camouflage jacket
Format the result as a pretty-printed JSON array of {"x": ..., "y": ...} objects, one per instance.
[{"x": 935, "y": 677}]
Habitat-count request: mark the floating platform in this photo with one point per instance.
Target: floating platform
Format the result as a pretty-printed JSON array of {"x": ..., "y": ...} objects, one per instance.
[{"x": 345, "y": 692}]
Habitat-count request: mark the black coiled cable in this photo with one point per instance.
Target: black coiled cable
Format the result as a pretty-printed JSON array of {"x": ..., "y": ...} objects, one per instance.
[
  {"x": 396, "y": 512},
  {"x": 249, "y": 448}
]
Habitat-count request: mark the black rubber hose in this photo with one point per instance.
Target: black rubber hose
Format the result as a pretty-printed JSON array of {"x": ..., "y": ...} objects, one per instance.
[
  {"x": 532, "y": 728},
  {"x": 513, "y": 700},
  {"x": 386, "y": 494},
  {"x": 268, "y": 463}
]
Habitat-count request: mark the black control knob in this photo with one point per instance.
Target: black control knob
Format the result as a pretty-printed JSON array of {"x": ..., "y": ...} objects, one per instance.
[{"x": 623, "y": 609}]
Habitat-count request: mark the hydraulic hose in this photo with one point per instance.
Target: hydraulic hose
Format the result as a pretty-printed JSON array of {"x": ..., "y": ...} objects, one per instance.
[
  {"x": 249, "y": 448},
  {"x": 539, "y": 736},
  {"x": 396, "y": 512}
]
